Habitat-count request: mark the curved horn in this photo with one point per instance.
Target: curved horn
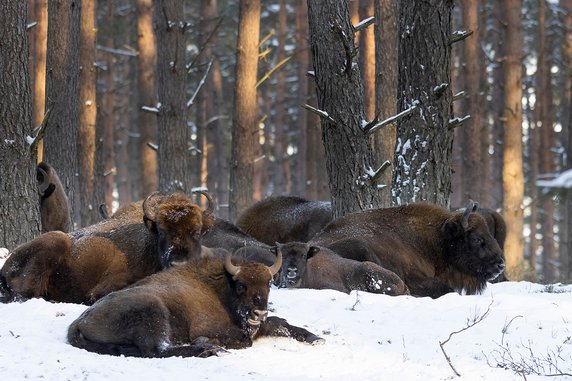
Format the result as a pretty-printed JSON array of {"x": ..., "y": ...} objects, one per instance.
[
  {"x": 277, "y": 263},
  {"x": 470, "y": 208},
  {"x": 44, "y": 184},
  {"x": 232, "y": 269},
  {"x": 145, "y": 211},
  {"x": 210, "y": 202},
  {"x": 103, "y": 211}
]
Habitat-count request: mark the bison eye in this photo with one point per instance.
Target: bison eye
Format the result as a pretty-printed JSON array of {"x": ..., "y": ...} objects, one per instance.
[
  {"x": 240, "y": 288},
  {"x": 476, "y": 241}
]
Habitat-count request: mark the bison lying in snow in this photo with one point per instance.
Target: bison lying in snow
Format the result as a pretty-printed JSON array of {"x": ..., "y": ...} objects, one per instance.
[
  {"x": 285, "y": 219},
  {"x": 55, "y": 211},
  {"x": 189, "y": 310},
  {"x": 84, "y": 265},
  {"x": 434, "y": 250},
  {"x": 308, "y": 266}
]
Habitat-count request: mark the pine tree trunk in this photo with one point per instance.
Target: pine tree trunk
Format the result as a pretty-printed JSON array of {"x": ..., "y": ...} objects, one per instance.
[
  {"x": 19, "y": 208},
  {"x": 245, "y": 115},
  {"x": 349, "y": 157},
  {"x": 422, "y": 163},
  {"x": 367, "y": 58},
  {"x": 513, "y": 178},
  {"x": 40, "y": 44}
]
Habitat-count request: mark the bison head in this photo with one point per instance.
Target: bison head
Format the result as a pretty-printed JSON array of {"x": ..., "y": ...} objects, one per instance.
[
  {"x": 250, "y": 283},
  {"x": 178, "y": 224},
  {"x": 295, "y": 256},
  {"x": 469, "y": 246}
]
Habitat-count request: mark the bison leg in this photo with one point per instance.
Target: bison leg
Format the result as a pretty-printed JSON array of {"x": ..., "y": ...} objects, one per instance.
[
  {"x": 201, "y": 347},
  {"x": 373, "y": 278},
  {"x": 275, "y": 326}
]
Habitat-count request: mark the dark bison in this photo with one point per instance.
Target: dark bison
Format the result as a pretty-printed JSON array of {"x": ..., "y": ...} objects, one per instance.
[
  {"x": 308, "y": 266},
  {"x": 84, "y": 265},
  {"x": 54, "y": 205},
  {"x": 434, "y": 250},
  {"x": 188, "y": 310},
  {"x": 285, "y": 219}
]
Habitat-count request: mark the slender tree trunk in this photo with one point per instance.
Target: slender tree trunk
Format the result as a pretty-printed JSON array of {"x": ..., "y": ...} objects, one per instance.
[
  {"x": 533, "y": 146},
  {"x": 457, "y": 57},
  {"x": 245, "y": 115},
  {"x": 40, "y": 44},
  {"x": 367, "y": 58},
  {"x": 173, "y": 137},
  {"x": 424, "y": 140},
  {"x": 62, "y": 91},
  {"x": 513, "y": 177},
  {"x": 306, "y": 167},
  {"x": 87, "y": 115},
  {"x": 349, "y": 157},
  {"x": 386, "y": 38},
  {"x": 498, "y": 93},
  {"x": 147, "y": 92},
  {"x": 19, "y": 208}
]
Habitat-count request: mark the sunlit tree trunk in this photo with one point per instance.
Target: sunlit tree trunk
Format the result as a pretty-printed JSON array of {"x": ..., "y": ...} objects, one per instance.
[
  {"x": 19, "y": 208},
  {"x": 39, "y": 62},
  {"x": 367, "y": 58},
  {"x": 386, "y": 38},
  {"x": 513, "y": 178},
  {"x": 245, "y": 115}
]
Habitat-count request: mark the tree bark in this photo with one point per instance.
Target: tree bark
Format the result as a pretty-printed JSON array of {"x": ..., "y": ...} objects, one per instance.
[
  {"x": 349, "y": 157},
  {"x": 245, "y": 116},
  {"x": 513, "y": 177},
  {"x": 173, "y": 136},
  {"x": 19, "y": 208},
  {"x": 40, "y": 44},
  {"x": 422, "y": 163}
]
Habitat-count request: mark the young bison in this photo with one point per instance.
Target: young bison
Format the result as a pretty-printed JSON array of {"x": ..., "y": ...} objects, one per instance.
[
  {"x": 434, "y": 250},
  {"x": 285, "y": 219},
  {"x": 189, "y": 310},
  {"x": 308, "y": 266},
  {"x": 55, "y": 211},
  {"x": 84, "y": 265}
]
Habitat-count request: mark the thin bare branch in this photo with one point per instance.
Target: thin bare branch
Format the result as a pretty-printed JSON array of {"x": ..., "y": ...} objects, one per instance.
[{"x": 269, "y": 73}]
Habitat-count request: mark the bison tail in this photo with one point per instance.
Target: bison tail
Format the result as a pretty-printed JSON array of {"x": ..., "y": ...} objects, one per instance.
[{"x": 77, "y": 339}]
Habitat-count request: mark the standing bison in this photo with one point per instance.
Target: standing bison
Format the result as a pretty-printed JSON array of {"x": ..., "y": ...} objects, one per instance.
[
  {"x": 308, "y": 266},
  {"x": 285, "y": 219},
  {"x": 194, "y": 309},
  {"x": 55, "y": 211},
  {"x": 84, "y": 265},
  {"x": 434, "y": 250}
]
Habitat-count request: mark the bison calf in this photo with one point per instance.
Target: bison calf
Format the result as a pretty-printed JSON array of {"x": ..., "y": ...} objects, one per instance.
[
  {"x": 189, "y": 310},
  {"x": 432, "y": 249},
  {"x": 285, "y": 219},
  {"x": 308, "y": 266},
  {"x": 55, "y": 211}
]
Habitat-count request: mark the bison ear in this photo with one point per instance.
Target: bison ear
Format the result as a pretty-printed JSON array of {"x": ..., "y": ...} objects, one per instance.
[
  {"x": 452, "y": 229},
  {"x": 150, "y": 224},
  {"x": 311, "y": 251}
]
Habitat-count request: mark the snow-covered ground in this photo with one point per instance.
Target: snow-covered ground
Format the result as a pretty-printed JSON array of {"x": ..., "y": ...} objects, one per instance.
[{"x": 519, "y": 326}]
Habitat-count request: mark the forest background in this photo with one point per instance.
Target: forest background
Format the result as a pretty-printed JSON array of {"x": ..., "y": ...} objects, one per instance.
[{"x": 135, "y": 96}]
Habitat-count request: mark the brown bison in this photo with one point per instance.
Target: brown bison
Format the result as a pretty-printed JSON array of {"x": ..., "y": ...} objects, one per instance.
[
  {"x": 309, "y": 266},
  {"x": 285, "y": 219},
  {"x": 434, "y": 250},
  {"x": 195, "y": 309},
  {"x": 55, "y": 211},
  {"x": 84, "y": 265}
]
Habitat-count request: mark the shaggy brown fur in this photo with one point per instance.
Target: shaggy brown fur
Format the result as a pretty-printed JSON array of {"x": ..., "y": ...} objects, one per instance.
[
  {"x": 189, "y": 310},
  {"x": 84, "y": 265},
  {"x": 432, "y": 249},
  {"x": 55, "y": 211},
  {"x": 307, "y": 266},
  {"x": 285, "y": 219}
]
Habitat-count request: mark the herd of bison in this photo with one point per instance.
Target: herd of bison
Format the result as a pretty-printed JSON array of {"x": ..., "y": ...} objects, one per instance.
[{"x": 165, "y": 277}]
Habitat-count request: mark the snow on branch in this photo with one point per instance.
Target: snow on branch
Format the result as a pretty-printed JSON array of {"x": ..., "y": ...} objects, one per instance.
[
  {"x": 120, "y": 52},
  {"x": 459, "y": 35},
  {"x": 201, "y": 83},
  {"x": 459, "y": 95},
  {"x": 363, "y": 24},
  {"x": 153, "y": 110},
  {"x": 320, "y": 113},
  {"x": 370, "y": 129},
  {"x": 153, "y": 146},
  {"x": 456, "y": 122},
  {"x": 370, "y": 176},
  {"x": 560, "y": 181}
]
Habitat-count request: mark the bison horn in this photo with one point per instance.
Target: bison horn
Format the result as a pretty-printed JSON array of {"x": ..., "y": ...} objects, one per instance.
[
  {"x": 277, "y": 263},
  {"x": 232, "y": 269},
  {"x": 468, "y": 210},
  {"x": 210, "y": 202},
  {"x": 44, "y": 184},
  {"x": 146, "y": 213}
]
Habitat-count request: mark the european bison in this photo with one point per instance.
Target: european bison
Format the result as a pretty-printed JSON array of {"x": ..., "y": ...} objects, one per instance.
[
  {"x": 84, "y": 265},
  {"x": 188, "y": 310},
  {"x": 285, "y": 219},
  {"x": 434, "y": 250},
  {"x": 55, "y": 211},
  {"x": 228, "y": 236},
  {"x": 309, "y": 266}
]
